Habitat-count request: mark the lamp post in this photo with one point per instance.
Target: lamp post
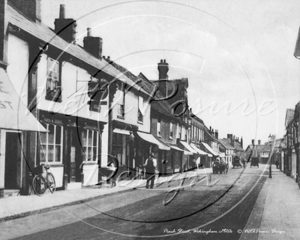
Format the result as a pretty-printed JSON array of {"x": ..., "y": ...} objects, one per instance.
[{"x": 271, "y": 139}]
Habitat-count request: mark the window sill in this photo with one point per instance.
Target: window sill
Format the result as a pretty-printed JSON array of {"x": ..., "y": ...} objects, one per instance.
[
  {"x": 52, "y": 97},
  {"x": 159, "y": 136},
  {"x": 171, "y": 138},
  {"x": 120, "y": 117},
  {"x": 90, "y": 163},
  {"x": 53, "y": 164},
  {"x": 139, "y": 122}
]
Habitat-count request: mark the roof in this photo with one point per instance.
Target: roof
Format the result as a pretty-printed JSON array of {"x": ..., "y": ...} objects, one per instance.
[
  {"x": 237, "y": 146},
  {"x": 289, "y": 116},
  {"x": 48, "y": 36},
  {"x": 226, "y": 143},
  {"x": 162, "y": 107}
]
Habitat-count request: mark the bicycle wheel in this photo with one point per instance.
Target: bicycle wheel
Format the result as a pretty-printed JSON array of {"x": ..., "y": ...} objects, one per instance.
[
  {"x": 38, "y": 185},
  {"x": 51, "y": 182}
]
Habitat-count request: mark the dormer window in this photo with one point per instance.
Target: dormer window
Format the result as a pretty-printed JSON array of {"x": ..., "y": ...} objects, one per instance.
[{"x": 53, "y": 84}]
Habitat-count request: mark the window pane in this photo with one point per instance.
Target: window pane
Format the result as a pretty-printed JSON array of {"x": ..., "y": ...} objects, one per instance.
[
  {"x": 58, "y": 135},
  {"x": 95, "y": 139},
  {"x": 90, "y": 138},
  {"x": 57, "y": 153},
  {"x": 90, "y": 151},
  {"x": 50, "y": 153},
  {"x": 43, "y": 138},
  {"x": 43, "y": 153},
  {"x": 84, "y": 136},
  {"x": 51, "y": 135},
  {"x": 95, "y": 157}
]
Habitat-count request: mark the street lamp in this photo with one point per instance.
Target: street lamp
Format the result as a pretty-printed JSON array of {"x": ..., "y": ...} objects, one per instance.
[{"x": 271, "y": 139}]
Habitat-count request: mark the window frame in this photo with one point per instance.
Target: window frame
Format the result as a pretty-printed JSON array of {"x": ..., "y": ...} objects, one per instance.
[
  {"x": 86, "y": 148},
  {"x": 45, "y": 150},
  {"x": 171, "y": 134},
  {"x": 121, "y": 104},
  {"x": 54, "y": 94},
  {"x": 158, "y": 128}
]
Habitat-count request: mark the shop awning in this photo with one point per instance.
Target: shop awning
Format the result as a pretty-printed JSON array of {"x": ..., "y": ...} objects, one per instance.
[
  {"x": 198, "y": 150},
  {"x": 150, "y": 138},
  {"x": 14, "y": 113},
  {"x": 121, "y": 131},
  {"x": 210, "y": 149},
  {"x": 188, "y": 147},
  {"x": 177, "y": 148}
]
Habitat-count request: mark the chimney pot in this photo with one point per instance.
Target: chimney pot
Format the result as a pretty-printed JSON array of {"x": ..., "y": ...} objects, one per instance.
[
  {"x": 89, "y": 32},
  {"x": 62, "y": 11}
]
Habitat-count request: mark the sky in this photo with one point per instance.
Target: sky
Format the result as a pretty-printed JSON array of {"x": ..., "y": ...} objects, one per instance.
[{"x": 237, "y": 54}]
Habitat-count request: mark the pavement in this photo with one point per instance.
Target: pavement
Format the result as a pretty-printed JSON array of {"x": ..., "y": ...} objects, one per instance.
[
  {"x": 21, "y": 206},
  {"x": 276, "y": 214}
]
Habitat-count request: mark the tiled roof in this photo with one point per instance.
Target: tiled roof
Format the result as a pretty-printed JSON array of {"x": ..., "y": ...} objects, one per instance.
[
  {"x": 237, "y": 146},
  {"x": 225, "y": 143},
  {"x": 47, "y": 35}
]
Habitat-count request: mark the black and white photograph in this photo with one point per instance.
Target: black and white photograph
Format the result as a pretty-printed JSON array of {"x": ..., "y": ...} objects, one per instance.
[{"x": 149, "y": 119}]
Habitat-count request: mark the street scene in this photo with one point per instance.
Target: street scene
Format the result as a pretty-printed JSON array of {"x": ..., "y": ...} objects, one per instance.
[{"x": 149, "y": 119}]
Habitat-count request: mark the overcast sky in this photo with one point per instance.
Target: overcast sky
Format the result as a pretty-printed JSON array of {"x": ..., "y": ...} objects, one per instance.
[{"x": 237, "y": 54}]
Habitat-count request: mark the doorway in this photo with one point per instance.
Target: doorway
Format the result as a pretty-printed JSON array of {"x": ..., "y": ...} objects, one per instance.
[
  {"x": 13, "y": 161},
  {"x": 75, "y": 157}
]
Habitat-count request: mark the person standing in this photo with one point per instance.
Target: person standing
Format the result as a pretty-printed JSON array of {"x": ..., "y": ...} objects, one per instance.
[{"x": 150, "y": 170}]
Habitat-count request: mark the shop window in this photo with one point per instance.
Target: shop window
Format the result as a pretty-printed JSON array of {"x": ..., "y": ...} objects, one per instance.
[
  {"x": 53, "y": 85},
  {"x": 51, "y": 144},
  {"x": 90, "y": 145},
  {"x": 158, "y": 128},
  {"x": 140, "y": 110}
]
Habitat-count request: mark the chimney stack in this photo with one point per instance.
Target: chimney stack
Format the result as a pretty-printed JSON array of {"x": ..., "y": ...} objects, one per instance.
[
  {"x": 163, "y": 68},
  {"x": 242, "y": 142},
  {"x": 65, "y": 27},
  {"x": 253, "y": 143},
  {"x": 216, "y": 134},
  {"x": 93, "y": 45},
  {"x": 258, "y": 142},
  {"x": 30, "y": 8}
]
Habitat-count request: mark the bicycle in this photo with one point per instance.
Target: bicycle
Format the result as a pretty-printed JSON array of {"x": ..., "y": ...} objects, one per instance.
[{"x": 40, "y": 184}]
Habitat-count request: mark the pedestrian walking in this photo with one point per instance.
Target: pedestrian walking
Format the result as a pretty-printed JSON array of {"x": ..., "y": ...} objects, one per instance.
[
  {"x": 277, "y": 163},
  {"x": 150, "y": 170}
]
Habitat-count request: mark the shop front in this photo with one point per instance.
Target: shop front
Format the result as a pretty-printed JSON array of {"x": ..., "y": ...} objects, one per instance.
[
  {"x": 15, "y": 125},
  {"x": 72, "y": 147},
  {"x": 149, "y": 144}
]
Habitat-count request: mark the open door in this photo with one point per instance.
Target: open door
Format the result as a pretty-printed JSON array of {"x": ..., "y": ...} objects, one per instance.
[{"x": 13, "y": 161}]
